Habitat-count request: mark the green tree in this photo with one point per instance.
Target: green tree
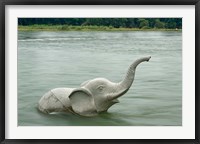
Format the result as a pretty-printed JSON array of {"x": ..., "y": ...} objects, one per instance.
[
  {"x": 143, "y": 23},
  {"x": 171, "y": 25},
  {"x": 159, "y": 24},
  {"x": 131, "y": 23}
]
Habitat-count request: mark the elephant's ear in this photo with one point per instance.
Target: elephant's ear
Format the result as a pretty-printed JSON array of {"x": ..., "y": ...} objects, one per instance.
[{"x": 82, "y": 103}]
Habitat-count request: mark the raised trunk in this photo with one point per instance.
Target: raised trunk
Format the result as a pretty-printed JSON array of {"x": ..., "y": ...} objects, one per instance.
[{"x": 123, "y": 86}]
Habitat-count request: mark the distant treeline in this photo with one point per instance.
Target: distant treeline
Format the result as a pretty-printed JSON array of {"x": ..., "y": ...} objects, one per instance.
[{"x": 145, "y": 23}]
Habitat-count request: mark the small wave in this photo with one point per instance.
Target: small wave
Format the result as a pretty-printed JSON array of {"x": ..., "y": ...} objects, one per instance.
[
  {"x": 32, "y": 40},
  {"x": 56, "y": 39}
]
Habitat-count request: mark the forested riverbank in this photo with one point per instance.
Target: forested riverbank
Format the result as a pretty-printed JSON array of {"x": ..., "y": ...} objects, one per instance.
[
  {"x": 85, "y": 28},
  {"x": 99, "y": 24}
]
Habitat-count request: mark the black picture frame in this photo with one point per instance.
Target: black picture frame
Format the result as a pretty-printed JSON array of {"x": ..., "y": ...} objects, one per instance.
[{"x": 4, "y": 3}]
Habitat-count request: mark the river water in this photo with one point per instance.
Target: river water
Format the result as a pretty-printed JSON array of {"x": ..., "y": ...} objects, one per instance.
[{"x": 49, "y": 60}]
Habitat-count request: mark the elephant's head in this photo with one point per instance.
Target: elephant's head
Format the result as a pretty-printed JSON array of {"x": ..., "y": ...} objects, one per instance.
[{"x": 98, "y": 95}]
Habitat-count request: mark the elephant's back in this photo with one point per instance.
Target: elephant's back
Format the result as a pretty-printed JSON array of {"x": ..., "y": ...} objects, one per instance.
[
  {"x": 63, "y": 95},
  {"x": 55, "y": 100}
]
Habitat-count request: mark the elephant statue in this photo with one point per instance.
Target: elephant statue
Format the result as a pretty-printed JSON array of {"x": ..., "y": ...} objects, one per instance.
[{"x": 93, "y": 97}]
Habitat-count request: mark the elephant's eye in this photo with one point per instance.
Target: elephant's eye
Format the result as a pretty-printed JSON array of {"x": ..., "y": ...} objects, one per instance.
[{"x": 100, "y": 88}]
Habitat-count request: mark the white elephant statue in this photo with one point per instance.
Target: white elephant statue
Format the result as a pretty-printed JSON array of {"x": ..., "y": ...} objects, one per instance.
[{"x": 93, "y": 97}]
